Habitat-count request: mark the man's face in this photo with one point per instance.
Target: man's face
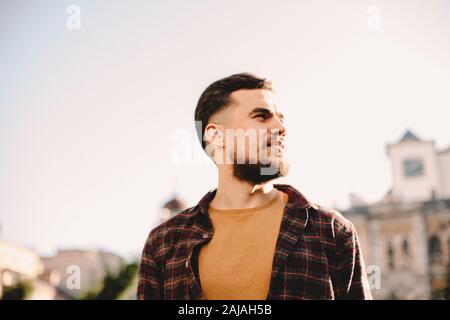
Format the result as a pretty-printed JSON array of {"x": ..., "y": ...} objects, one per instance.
[{"x": 254, "y": 136}]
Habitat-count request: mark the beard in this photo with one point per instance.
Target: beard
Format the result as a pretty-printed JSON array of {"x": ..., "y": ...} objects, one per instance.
[{"x": 259, "y": 173}]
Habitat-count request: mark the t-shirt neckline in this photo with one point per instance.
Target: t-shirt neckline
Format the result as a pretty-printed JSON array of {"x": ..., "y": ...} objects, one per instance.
[{"x": 256, "y": 209}]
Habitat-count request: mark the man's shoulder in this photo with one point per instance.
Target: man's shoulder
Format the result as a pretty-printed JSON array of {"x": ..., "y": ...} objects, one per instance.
[
  {"x": 180, "y": 222},
  {"x": 331, "y": 219},
  {"x": 163, "y": 237},
  {"x": 317, "y": 214}
]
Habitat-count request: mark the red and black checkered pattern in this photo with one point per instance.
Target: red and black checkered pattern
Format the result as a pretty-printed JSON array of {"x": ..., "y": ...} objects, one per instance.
[{"x": 317, "y": 254}]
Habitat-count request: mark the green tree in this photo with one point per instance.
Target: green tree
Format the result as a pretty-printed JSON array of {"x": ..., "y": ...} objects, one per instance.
[
  {"x": 114, "y": 284},
  {"x": 19, "y": 291}
]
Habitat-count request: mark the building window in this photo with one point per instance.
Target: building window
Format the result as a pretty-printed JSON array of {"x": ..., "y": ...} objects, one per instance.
[
  {"x": 434, "y": 249},
  {"x": 390, "y": 254},
  {"x": 413, "y": 167},
  {"x": 405, "y": 247}
]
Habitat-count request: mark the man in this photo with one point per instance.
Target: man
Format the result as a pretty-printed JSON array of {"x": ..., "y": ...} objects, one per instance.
[{"x": 250, "y": 239}]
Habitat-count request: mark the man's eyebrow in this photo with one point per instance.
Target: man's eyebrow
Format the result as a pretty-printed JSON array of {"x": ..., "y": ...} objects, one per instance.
[{"x": 266, "y": 111}]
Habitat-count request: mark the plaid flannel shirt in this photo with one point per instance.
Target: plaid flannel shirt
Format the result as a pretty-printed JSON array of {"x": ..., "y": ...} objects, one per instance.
[{"x": 317, "y": 254}]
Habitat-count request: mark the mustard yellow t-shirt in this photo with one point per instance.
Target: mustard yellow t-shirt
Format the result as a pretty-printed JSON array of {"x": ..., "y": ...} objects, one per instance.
[{"x": 237, "y": 262}]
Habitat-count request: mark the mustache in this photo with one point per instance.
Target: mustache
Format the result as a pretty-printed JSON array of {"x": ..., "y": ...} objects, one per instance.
[{"x": 275, "y": 139}]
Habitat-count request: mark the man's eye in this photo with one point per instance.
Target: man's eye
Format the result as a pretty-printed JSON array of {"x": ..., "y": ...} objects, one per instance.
[{"x": 261, "y": 116}]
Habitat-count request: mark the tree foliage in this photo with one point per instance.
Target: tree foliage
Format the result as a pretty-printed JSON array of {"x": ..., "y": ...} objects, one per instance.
[
  {"x": 19, "y": 291},
  {"x": 114, "y": 284}
]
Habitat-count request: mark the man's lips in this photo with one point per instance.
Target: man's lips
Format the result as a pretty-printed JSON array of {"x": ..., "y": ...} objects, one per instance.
[{"x": 276, "y": 143}]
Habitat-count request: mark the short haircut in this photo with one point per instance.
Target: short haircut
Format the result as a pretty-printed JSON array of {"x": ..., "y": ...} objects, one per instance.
[{"x": 218, "y": 95}]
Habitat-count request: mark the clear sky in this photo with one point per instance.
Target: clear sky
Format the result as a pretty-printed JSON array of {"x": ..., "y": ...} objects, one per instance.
[{"x": 88, "y": 117}]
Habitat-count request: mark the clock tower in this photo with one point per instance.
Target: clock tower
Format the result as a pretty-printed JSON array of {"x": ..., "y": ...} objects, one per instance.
[{"x": 416, "y": 169}]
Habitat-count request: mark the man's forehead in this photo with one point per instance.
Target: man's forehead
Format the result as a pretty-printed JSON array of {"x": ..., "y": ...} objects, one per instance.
[{"x": 254, "y": 98}]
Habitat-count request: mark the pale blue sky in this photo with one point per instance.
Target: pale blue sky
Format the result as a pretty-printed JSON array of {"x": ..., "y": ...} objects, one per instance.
[{"x": 87, "y": 116}]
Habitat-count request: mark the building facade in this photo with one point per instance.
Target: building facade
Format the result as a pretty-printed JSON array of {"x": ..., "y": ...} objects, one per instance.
[
  {"x": 81, "y": 270},
  {"x": 19, "y": 264},
  {"x": 405, "y": 236}
]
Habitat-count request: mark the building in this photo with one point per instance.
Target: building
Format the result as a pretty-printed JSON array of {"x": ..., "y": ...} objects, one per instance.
[
  {"x": 64, "y": 276},
  {"x": 19, "y": 264},
  {"x": 81, "y": 270},
  {"x": 406, "y": 235},
  {"x": 419, "y": 171},
  {"x": 171, "y": 208}
]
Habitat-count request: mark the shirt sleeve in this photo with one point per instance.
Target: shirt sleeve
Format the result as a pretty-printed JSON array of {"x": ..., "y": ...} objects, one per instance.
[
  {"x": 350, "y": 277},
  {"x": 150, "y": 275}
]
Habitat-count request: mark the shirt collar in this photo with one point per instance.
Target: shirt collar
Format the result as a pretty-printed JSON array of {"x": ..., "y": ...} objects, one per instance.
[{"x": 295, "y": 198}]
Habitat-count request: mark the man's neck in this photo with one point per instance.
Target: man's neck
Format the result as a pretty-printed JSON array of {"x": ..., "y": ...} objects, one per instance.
[{"x": 235, "y": 194}]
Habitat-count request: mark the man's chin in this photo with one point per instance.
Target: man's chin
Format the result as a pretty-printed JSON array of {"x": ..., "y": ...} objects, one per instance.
[{"x": 259, "y": 173}]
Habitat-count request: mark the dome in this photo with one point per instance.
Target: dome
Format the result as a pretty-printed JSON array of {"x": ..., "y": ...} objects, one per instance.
[{"x": 175, "y": 204}]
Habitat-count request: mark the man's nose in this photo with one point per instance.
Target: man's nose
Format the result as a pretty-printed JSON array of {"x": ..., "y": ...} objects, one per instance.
[{"x": 279, "y": 125}]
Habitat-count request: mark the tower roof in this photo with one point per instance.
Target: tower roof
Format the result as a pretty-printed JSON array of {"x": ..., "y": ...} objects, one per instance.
[
  {"x": 175, "y": 204},
  {"x": 409, "y": 136}
]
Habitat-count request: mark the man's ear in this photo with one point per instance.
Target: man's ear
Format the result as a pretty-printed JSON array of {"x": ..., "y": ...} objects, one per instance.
[{"x": 214, "y": 134}]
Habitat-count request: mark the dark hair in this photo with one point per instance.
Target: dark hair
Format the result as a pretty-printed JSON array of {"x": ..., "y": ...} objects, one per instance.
[{"x": 217, "y": 96}]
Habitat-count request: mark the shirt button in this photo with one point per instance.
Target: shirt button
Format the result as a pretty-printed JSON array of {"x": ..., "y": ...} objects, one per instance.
[{"x": 205, "y": 235}]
